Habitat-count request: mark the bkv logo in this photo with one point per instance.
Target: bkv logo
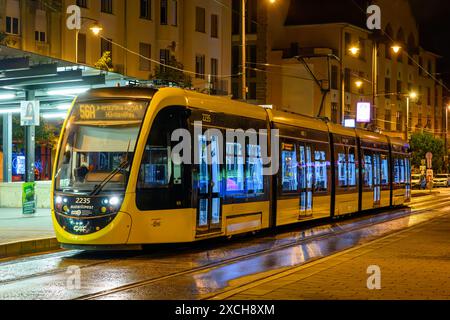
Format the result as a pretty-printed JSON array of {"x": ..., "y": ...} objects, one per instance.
[{"x": 73, "y": 21}]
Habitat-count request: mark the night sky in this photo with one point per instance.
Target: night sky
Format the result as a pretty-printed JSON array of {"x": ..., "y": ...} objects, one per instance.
[{"x": 433, "y": 17}]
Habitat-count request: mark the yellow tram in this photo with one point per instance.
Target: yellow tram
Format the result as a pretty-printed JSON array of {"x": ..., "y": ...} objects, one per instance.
[{"x": 116, "y": 183}]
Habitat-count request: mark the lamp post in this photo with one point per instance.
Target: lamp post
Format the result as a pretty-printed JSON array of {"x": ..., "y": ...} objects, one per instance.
[
  {"x": 96, "y": 28},
  {"x": 410, "y": 96},
  {"x": 244, "y": 52}
]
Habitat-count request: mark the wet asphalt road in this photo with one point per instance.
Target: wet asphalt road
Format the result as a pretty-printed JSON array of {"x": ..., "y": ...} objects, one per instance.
[{"x": 197, "y": 271}]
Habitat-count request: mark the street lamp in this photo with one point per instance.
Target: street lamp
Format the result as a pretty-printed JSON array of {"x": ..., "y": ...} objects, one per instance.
[
  {"x": 244, "y": 47},
  {"x": 96, "y": 28},
  {"x": 358, "y": 84},
  {"x": 354, "y": 50},
  {"x": 411, "y": 96},
  {"x": 396, "y": 48}
]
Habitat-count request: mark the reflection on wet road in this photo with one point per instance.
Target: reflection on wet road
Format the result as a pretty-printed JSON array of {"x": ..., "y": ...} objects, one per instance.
[{"x": 193, "y": 271}]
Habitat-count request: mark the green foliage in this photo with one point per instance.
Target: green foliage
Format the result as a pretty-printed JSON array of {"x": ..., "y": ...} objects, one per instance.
[
  {"x": 46, "y": 133},
  {"x": 166, "y": 74},
  {"x": 421, "y": 143},
  {"x": 105, "y": 62}
]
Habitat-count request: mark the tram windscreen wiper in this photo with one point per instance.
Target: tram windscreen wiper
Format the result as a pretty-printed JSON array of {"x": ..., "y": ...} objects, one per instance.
[
  {"x": 125, "y": 163},
  {"x": 100, "y": 186}
]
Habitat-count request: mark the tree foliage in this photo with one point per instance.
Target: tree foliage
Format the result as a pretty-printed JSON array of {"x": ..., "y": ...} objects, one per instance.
[
  {"x": 46, "y": 133},
  {"x": 421, "y": 144},
  {"x": 166, "y": 74},
  {"x": 105, "y": 62}
]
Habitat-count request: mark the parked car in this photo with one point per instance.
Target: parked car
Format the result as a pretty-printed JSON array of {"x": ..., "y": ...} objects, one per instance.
[
  {"x": 415, "y": 181},
  {"x": 441, "y": 180}
]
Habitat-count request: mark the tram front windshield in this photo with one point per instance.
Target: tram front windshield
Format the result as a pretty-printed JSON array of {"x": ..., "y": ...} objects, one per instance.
[{"x": 98, "y": 145}]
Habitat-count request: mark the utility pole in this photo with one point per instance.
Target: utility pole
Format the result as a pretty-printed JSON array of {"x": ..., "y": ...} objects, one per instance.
[{"x": 244, "y": 53}]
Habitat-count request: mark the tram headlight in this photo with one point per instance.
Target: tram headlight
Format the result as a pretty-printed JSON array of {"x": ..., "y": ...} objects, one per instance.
[
  {"x": 59, "y": 200},
  {"x": 114, "y": 201}
]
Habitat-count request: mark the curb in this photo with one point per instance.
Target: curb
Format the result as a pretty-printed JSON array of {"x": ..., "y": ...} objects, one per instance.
[{"x": 15, "y": 249}]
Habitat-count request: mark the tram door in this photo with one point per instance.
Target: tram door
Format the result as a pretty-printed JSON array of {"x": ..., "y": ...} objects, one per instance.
[
  {"x": 376, "y": 179},
  {"x": 209, "y": 215},
  {"x": 306, "y": 180}
]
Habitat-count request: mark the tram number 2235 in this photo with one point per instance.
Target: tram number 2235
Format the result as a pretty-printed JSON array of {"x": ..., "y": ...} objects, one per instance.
[{"x": 83, "y": 201}]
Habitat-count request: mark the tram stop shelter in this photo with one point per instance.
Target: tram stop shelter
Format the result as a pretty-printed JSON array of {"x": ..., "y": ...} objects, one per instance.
[{"x": 54, "y": 83}]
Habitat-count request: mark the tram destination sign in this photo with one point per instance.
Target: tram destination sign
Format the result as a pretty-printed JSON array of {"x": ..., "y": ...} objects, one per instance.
[{"x": 114, "y": 111}]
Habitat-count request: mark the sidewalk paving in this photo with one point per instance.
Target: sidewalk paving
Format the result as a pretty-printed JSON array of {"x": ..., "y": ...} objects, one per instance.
[
  {"x": 23, "y": 234},
  {"x": 414, "y": 265}
]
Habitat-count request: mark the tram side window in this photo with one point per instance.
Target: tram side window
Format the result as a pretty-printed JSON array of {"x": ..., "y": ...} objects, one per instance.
[
  {"x": 321, "y": 170},
  {"x": 235, "y": 169},
  {"x": 384, "y": 170},
  {"x": 156, "y": 167},
  {"x": 346, "y": 166},
  {"x": 351, "y": 168},
  {"x": 368, "y": 169},
  {"x": 400, "y": 170},
  {"x": 254, "y": 174},
  {"x": 342, "y": 169},
  {"x": 289, "y": 163}
]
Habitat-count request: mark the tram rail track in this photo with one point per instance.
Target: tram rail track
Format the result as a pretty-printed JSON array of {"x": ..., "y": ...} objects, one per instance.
[
  {"x": 146, "y": 282},
  {"x": 337, "y": 228}
]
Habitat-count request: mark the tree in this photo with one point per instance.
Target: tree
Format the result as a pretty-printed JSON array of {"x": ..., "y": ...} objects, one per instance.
[
  {"x": 166, "y": 74},
  {"x": 46, "y": 133},
  {"x": 105, "y": 62},
  {"x": 421, "y": 144}
]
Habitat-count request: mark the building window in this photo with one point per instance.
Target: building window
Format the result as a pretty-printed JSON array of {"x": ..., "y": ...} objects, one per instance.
[
  {"x": 82, "y": 3},
  {"x": 163, "y": 12},
  {"x": 214, "y": 26},
  {"x": 200, "y": 66},
  {"x": 334, "y": 112},
  {"x": 387, "y": 87},
  {"x": 174, "y": 12},
  {"x": 106, "y": 46},
  {"x": 164, "y": 58},
  {"x": 107, "y": 6},
  {"x": 82, "y": 48},
  {"x": 40, "y": 36},
  {"x": 334, "y": 77},
  {"x": 146, "y": 9},
  {"x": 347, "y": 77},
  {"x": 419, "y": 122},
  {"x": 429, "y": 96},
  {"x": 348, "y": 42},
  {"x": 12, "y": 25},
  {"x": 362, "y": 49},
  {"x": 145, "y": 50},
  {"x": 387, "y": 119},
  {"x": 40, "y": 24},
  {"x": 200, "y": 23}
]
